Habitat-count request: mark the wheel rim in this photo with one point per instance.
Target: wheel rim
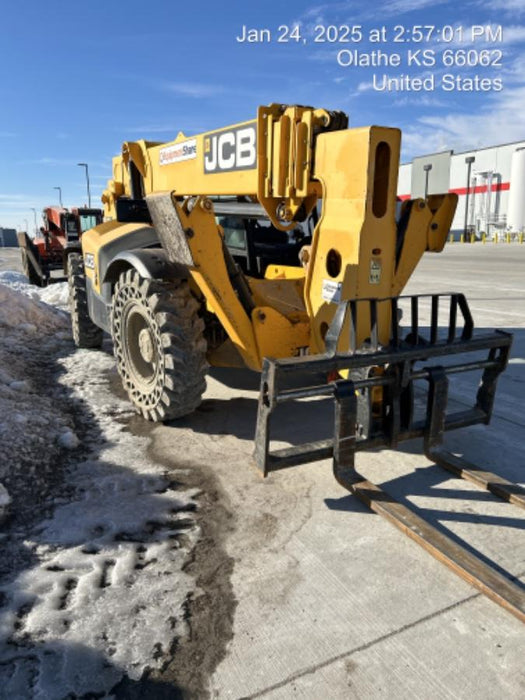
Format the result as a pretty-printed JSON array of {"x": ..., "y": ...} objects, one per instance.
[
  {"x": 158, "y": 345},
  {"x": 140, "y": 352}
]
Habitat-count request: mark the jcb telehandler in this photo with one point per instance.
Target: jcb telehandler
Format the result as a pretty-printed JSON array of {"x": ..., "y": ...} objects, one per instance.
[{"x": 276, "y": 244}]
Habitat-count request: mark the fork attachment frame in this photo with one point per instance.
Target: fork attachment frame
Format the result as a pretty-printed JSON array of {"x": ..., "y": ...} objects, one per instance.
[{"x": 400, "y": 366}]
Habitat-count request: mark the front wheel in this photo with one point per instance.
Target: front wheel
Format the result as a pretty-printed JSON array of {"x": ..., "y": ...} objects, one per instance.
[{"x": 159, "y": 345}]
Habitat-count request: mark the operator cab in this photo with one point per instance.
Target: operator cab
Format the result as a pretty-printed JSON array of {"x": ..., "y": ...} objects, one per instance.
[{"x": 255, "y": 243}]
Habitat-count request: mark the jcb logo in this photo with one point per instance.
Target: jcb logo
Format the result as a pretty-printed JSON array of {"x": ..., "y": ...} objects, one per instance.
[{"x": 233, "y": 149}]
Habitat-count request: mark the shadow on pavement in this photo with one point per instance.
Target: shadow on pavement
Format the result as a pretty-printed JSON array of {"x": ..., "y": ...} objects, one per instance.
[{"x": 304, "y": 421}]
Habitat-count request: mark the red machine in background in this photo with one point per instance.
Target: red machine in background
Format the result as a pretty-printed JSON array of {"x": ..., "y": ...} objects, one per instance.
[{"x": 58, "y": 237}]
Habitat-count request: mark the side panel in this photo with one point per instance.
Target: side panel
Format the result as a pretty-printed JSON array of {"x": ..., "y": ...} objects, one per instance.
[
  {"x": 98, "y": 308},
  {"x": 100, "y": 245}
]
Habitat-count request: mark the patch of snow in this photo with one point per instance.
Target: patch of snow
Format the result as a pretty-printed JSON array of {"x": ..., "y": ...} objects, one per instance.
[
  {"x": 56, "y": 294},
  {"x": 103, "y": 589},
  {"x": 20, "y": 385},
  {"x": 15, "y": 280},
  {"x": 5, "y": 498},
  {"x": 17, "y": 309},
  {"x": 69, "y": 440},
  {"x": 5, "y": 502}
]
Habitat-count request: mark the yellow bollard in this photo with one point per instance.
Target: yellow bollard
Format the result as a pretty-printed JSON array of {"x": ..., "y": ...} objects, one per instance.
[
  {"x": 451, "y": 238},
  {"x": 495, "y": 238},
  {"x": 472, "y": 238},
  {"x": 508, "y": 237},
  {"x": 520, "y": 238},
  {"x": 462, "y": 238},
  {"x": 483, "y": 238}
]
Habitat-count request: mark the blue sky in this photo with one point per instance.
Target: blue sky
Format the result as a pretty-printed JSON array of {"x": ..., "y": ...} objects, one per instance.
[{"x": 79, "y": 78}]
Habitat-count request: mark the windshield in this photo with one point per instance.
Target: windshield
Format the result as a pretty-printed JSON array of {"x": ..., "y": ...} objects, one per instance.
[
  {"x": 234, "y": 231},
  {"x": 87, "y": 221}
]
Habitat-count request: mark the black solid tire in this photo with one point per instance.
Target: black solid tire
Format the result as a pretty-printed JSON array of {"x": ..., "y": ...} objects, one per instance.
[
  {"x": 86, "y": 334},
  {"x": 159, "y": 345}
]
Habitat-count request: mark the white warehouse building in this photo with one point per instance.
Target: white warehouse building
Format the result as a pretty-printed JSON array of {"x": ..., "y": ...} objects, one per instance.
[{"x": 490, "y": 184}]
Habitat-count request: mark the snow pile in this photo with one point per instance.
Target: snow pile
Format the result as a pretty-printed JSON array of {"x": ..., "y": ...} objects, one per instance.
[
  {"x": 55, "y": 294},
  {"x": 27, "y": 313},
  {"x": 95, "y": 589},
  {"x": 31, "y": 333},
  {"x": 17, "y": 281}
]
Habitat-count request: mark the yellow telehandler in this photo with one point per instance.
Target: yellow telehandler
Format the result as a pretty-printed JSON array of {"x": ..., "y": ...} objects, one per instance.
[{"x": 278, "y": 244}]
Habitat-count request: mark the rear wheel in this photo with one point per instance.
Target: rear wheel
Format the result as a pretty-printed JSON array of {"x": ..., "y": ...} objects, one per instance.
[
  {"x": 159, "y": 345},
  {"x": 85, "y": 333}
]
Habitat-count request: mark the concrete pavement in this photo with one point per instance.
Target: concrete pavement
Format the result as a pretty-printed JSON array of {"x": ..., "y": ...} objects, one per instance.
[{"x": 334, "y": 602}]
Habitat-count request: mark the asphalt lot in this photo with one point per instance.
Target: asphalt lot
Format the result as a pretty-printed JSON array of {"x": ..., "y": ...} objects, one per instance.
[
  {"x": 10, "y": 259},
  {"x": 332, "y": 600}
]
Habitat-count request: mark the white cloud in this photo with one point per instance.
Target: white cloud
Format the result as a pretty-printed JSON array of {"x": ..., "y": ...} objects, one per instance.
[
  {"x": 401, "y": 7},
  {"x": 354, "y": 12},
  {"x": 365, "y": 86},
  {"x": 423, "y": 100},
  {"x": 193, "y": 89},
  {"x": 514, "y": 34},
  {"x": 45, "y": 160},
  {"x": 324, "y": 55},
  {"x": 514, "y": 7},
  {"x": 497, "y": 122}
]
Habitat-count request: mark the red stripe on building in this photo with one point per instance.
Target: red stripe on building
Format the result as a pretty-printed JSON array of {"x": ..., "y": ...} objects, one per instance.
[
  {"x": 496, "y": 187},
  {"x": 479, "y": 189}
]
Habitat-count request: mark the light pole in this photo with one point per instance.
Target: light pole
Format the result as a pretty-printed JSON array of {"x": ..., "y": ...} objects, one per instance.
[
  {"x": 85, "y": 165},
  {"x": 427, "y": 169},
  {"x": 36, "y": 223},
  {"x": 468, "y": 160},
  {"x": 59, "y": 194}
]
